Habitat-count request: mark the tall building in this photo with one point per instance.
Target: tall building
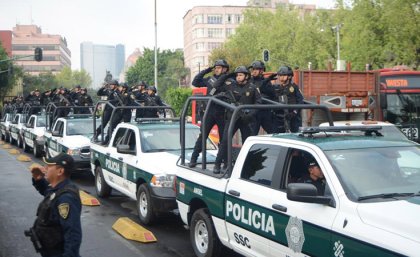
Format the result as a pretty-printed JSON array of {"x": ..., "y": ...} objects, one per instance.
[
  {"x": 98, "y": 59},
  {"x": 56, "y": 54},
  {"x": 267, "y": 3},
  {"x": 206, "y": 28},
  {"x": 6, "y": 41}
]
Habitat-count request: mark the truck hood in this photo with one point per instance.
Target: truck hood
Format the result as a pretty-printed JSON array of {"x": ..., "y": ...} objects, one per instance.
[
  {"x": 77, "y": 141},
  {"x": 398, "y": 217}
]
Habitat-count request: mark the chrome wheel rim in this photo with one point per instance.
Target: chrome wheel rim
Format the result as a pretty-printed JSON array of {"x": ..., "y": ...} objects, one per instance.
[
  {"x": 143, "y": 204},
  {"x": 201, "y": 236}
]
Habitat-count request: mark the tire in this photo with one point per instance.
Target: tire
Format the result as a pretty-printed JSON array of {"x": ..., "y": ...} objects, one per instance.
[
  {"x": 6, "y": 138},
  {"x": 19, "y": 142},
  {"x": 203, "y": 236},
  {"x": 11, "y": 140},
  {"x": 47, "y": 152},
  {"x": 37, "y": 150},
  {"x": 102, "y": 188},
  {"x": 145, "y": 205},
  {"x": 26, "y": 148}
]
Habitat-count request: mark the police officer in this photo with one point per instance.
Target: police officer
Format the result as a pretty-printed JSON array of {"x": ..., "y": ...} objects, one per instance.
[
  {"x": 140, "y": 95},
  {"x": 314, "y": 177},
  {"x": 151, "y": 99},
  {"x": 288, "y": 92},
  {"x": 216, "y": 116},
  {"x": 34, "y": 99},
  {"x": 57, "y": 229},
  {"x": 74, "y": 97},
  {"x": 84, "y": 100},
  {"x": 264, "y": 118},
  {"x": 241, "y": 92},
  {"x": 109, "y": 90}
]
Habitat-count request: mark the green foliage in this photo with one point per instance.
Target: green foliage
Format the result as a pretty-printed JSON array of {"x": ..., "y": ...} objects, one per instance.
[
  {"x": 7, "y": 80},
  {"x": 381, "y": 32},
  {"x": 171, "y": 70},
  {"x": 177, "y": 97}
]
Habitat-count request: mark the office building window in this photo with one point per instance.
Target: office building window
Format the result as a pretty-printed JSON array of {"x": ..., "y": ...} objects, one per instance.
[
  {"x": 215, "y": 33},
  {"x": 199, "y": 46},
  {"x": 214, "y": 19},
  {"x": 230, "y": 32},
  {"x": 214, "y": 45},
  {"x": 197, "y": 33},
  {"x": 238, "y": 18},
  {"x": 228, "y": 19},
  {"x": 197, "y": 19}
]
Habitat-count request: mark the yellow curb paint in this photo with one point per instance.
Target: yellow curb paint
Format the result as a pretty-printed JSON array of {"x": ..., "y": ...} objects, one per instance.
[
  {"x": 23, "y": 158},
  {"x": 87, "y": 199}
]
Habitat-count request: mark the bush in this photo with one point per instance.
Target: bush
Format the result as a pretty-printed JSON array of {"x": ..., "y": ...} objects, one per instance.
[{"x": 176, "y": 97}]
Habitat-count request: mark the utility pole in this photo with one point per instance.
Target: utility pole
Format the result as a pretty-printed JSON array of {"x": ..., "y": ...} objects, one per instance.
[
  {"x": 336, "y": 28},
  {"x": 156, "y": 60}
]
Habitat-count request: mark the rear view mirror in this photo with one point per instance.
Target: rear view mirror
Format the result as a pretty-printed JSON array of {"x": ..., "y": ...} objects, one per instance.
[
  {"x": 125, "y": 149},
  {"x": 307, "y": 193},
  {"x": 56, "y": 134}
]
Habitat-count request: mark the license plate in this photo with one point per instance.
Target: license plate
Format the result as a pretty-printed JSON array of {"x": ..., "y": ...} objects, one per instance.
[{"x": 356, "y": 102}]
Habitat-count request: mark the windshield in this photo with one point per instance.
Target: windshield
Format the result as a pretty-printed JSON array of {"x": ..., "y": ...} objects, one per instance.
[
  {"x": 40, "y": 121},
  {"x": 168, "y": 139},
  {"x": 373, "y": 171},
  {"x": 80, "y": 127}
]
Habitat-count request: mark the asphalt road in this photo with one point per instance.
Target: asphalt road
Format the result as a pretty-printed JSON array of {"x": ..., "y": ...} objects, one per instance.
[{"x": 19, "y": 200}]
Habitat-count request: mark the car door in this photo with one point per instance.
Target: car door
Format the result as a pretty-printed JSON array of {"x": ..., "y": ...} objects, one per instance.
[
  {"x": 113, "y": 159},
  {"x": 129, "y": 162},
  {"x": 27, "y": 135},
  {"x": 251, "y": 221},
  {"x": 54, "y": 146},
  {"x": 305, "y": 227}
]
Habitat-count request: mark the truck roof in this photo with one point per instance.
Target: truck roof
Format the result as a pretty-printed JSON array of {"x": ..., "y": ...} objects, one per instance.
[
  {"x": 160, "y": 125},
  {"x": 339, "y": 141}
]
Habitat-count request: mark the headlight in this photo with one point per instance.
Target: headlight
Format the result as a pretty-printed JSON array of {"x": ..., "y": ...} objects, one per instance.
[
  {"x": 162, "y": 180},
  {"x": 75, "y": 151}
]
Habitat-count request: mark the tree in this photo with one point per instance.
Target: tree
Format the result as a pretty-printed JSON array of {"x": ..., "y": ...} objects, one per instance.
[
  {"x": 171, "y": 70},
  {"x": 177, "y": 98},
  {"x": 7, "y": 79},
  {"x": 42, "y": 82}
]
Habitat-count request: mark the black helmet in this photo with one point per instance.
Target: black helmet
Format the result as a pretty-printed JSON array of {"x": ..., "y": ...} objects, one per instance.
[
  {"x": 221, "y": 62},
  {"x": 285, "y": 71},
  {"x": 242, "y": 69},
  {"x": 153, "y": 88},
  {"x": 124, "y": 85},
  {"x": 113, "y": 82},
  {"x": 257, "y": 65}
]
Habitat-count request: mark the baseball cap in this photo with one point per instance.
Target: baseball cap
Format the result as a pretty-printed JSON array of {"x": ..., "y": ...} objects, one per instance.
[
  {"x": 61, "y": 159},
  {"x": 312, "y": 163}
]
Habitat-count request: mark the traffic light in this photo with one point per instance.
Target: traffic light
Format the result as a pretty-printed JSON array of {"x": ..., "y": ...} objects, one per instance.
[
  {"x": 266, "y": 55},
  {"x": 38, "y": 54}
]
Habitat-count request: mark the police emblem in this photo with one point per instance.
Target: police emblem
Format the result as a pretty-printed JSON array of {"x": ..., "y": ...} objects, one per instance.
[
  {"x": 247, "y": 93},
  {"x": 63, "y": 210},
  {"x": 291, "y": 89},
  {"x": 295, "y": 235}
]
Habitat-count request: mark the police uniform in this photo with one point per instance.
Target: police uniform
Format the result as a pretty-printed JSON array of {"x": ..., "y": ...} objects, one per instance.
[
  {"x": 240, "y": 95},
  {"x": 292, "y": 95},
  {"x": 152, "y": 100},
  {"x": 106, "y": 115},
  {"x": 58, "y": 226},
  {"x": 215, "y": 117},
  {"x": 84, "y": 100},
  {"x": 319, "y": 183},
  {"x": 264, "y": 118}
]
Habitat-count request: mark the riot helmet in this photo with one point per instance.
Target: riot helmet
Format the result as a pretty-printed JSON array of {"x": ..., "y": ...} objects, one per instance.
[
  {"x": 222, "y": 62},
  {"x": 257, "y": 65},
  {"x": 285, "y": 71},
  {"x": 242, "y": 69},
  {"x": 153, "y": 88}
]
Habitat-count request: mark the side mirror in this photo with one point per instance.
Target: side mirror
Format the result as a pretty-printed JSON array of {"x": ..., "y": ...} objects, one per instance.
[
  {"x": 56, "y": 134},
  {"x": 307, "y": 193},
  {"x": 125, "y": 149},
  {"x": 30, "y": 125}
]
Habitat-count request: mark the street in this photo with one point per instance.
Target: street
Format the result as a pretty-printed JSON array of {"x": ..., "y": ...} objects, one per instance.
[{"x": 19, "y": 200}]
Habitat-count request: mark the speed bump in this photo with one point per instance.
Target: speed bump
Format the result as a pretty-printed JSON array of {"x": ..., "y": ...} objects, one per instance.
[
  {"x": 87, "y": 199},
  {"x": 7, "y": 146},
  {"x": 14, "y": 151},
  {"x": 23, "y": 158},
  {"x": 2, "y": 142},
  {"x": 133, "y": 231}
]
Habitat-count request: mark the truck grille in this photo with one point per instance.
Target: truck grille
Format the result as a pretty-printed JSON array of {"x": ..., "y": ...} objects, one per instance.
[{"x": 85, "y": 152}]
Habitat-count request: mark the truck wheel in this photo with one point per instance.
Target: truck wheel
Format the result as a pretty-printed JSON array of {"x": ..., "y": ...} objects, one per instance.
[
  {"x": 37, "y": 150},
  {"x": 145, "y": 205},
  {"x": 26, "y": 148},
  {"x": 102, "y": 188},
  {"x": 19, "y": 142},
  {"x": 11, "y": 140},
  {"x": 203, "y": 235},
  {"x": 47, "y": 152}
]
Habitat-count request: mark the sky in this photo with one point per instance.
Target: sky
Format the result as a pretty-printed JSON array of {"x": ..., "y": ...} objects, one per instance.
[{"x": 111, "y": 22}]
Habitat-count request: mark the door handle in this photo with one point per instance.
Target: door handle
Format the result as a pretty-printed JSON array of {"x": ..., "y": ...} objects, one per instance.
[
  {"x": 108, "y": 154},
  {"x": 234, "y": 193},
  {"x": 279, "y": 207},
  {"x": 120, "y": 158}
]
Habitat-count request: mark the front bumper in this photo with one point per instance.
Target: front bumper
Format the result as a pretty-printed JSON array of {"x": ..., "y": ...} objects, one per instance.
[
  {"x": 81, "y": 163},
  {"x": 163, "y": 199}
]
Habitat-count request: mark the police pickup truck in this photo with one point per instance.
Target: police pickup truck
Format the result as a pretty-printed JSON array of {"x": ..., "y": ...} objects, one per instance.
[
  {"x": 15, "y": 128},
  {"x": 33, "y": 134},
  {"x": 138, "y": 162},
  {"x": 363, "y": 201},
  {"x": 71, "y": 135},
  {"x": 4, "y": 126}
]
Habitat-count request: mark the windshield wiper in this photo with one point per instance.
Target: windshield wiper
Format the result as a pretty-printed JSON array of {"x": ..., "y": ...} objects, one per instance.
[{"x": 389, "y": 195}]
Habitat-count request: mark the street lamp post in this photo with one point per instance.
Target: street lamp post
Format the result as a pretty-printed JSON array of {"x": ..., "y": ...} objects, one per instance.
[
  {"x": 336, "y": 28},
  {"x": 156, "y": 60}
]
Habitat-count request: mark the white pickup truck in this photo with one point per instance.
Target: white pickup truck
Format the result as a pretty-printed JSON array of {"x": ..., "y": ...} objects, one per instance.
[
  {"x": 138, "y": 162},
  {"x": 319, "y": 192},
  {"x": 4, "y": 126},
  {"x": 15, "y": 128},
  {"x": 33, "y": 134}
]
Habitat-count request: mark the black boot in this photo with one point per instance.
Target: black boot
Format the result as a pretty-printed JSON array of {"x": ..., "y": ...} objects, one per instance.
[
  {"x": 192, "y": 163},
  {"x": 216, "y": 169}
]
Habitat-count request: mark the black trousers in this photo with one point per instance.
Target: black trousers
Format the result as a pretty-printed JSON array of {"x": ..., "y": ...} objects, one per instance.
[
  {"x": 246, "y": 130},
  {"x": 106, "y": 116},
  {"x": 215, "y": 118},
  {"x": 264, "y": 119}
]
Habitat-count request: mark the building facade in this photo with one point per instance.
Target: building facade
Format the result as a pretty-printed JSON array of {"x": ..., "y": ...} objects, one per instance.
[
  {"x": 98, "y": 59},
  {"x": 6, "y": 41},
  {"x": 56, "y": 54}
]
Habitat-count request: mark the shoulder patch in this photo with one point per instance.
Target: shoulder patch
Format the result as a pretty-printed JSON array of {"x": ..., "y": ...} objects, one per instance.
[
  {"x": 228, "y": 83},
  {"x": 63, "y": 210},
  {"x": 291, "y": 89}
]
